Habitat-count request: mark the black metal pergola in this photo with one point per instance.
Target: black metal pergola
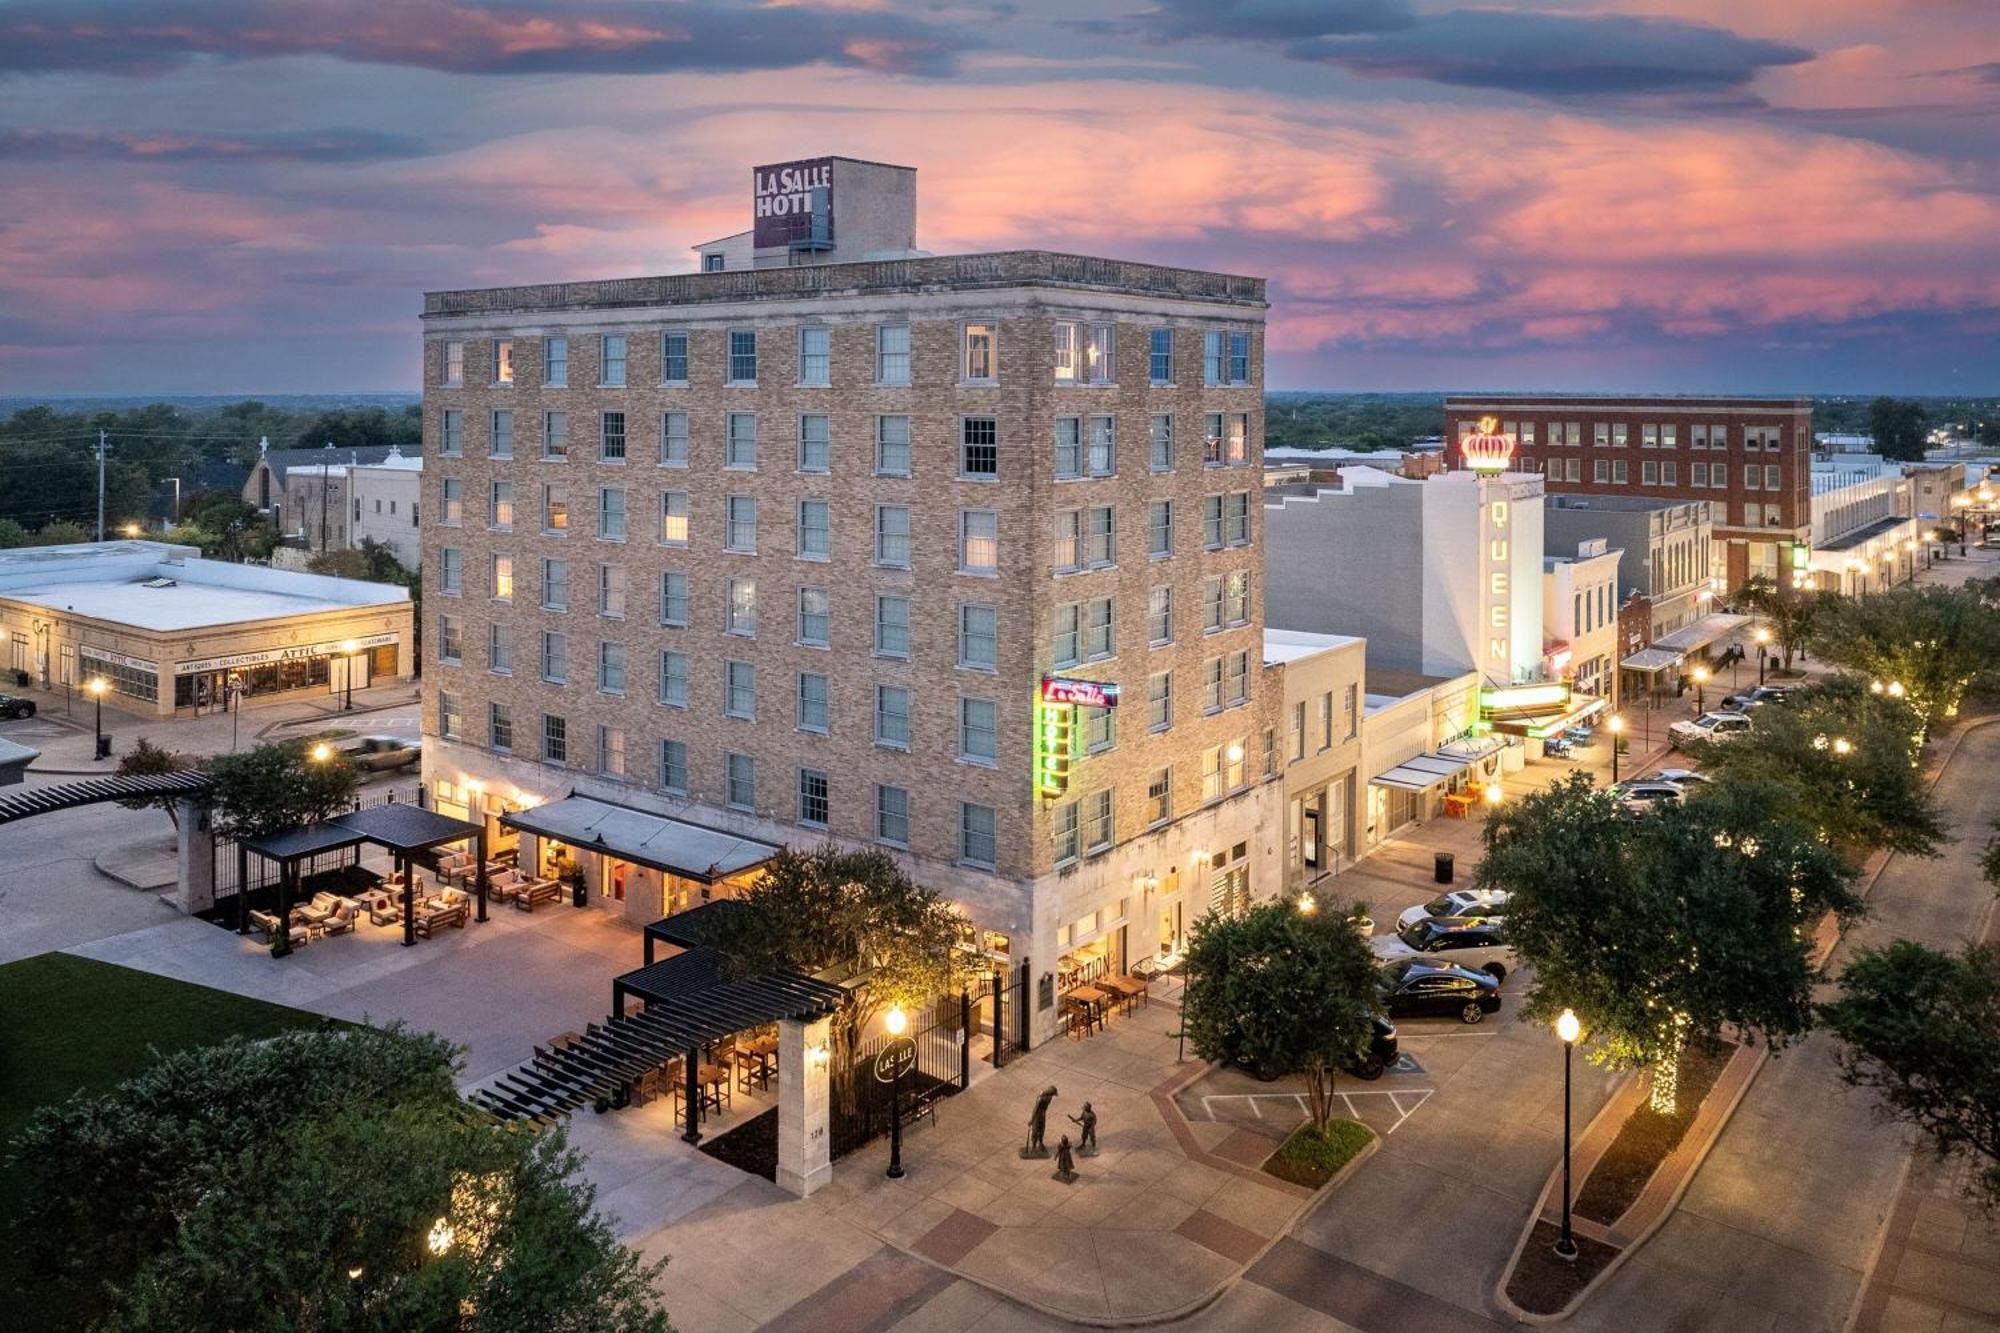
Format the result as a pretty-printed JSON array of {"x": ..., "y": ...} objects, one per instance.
[
  {"x": 690, "y": 929},
  {"x": 401, "y": 828},
  {"x": 689, "y": 1006}
]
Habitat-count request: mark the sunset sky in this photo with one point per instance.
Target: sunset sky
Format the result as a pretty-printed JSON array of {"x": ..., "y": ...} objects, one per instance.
[{"x": 219, "y": 196}]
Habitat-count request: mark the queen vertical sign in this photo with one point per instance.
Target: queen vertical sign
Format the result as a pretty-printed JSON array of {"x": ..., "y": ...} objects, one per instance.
[{"x": 781, "y": 198}]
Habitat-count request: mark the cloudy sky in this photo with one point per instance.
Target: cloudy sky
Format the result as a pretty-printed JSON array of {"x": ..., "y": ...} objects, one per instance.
[{"x": 1789, "y": 195}]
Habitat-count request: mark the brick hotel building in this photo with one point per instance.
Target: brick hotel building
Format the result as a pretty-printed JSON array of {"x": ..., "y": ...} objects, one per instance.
[
  {"x": 784, "y": 549},
  {"x": 1749, "y": 458}
]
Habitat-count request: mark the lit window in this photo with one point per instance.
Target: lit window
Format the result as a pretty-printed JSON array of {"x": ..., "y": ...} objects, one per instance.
[
  {"x": 503, "y": 361},
  {"x": 979, "y": 359},
  {"x": 978, "y": 541},
  {"x": 674, "y": 518},
  {"x": 503, "y": 578}
]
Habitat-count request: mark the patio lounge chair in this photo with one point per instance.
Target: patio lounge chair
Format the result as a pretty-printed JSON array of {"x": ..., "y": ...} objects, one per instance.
[
  {"x": 433, "y": 919},
  {"x": 268, "y": 923},
  {"x": 502, "y": 885},
  {"x": 534, "y": 892}
]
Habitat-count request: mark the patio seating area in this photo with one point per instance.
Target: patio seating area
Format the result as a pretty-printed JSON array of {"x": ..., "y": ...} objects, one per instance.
[{"x": 1087, "y": 1005}]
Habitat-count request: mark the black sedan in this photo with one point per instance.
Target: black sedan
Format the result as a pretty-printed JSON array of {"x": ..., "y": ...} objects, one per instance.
[
  {"x": 12, "y": 707},
  {"x": 1415, "y": 988},
  {"x": 1380, "y": 1055}
]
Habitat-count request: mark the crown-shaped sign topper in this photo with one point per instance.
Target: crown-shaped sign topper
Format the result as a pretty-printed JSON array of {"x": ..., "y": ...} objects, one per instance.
[{"x": 1486, "y": 449}]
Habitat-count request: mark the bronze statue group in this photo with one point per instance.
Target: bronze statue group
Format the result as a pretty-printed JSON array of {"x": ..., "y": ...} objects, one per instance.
[{"x": 1038, "y": 1121}]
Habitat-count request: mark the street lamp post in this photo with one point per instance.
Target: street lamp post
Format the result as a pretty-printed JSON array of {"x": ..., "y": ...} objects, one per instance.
[
  {"x": 896, "y": 1022},
  {"x": 97, "y": 687},
  {"x": 348, "y": 649},
  {"x": 1569, "y": 1030},
  {"x": 1617, "y": 738},
  {"x": 1763, "y": 653},
  {"x": 1700, "y": 677}
]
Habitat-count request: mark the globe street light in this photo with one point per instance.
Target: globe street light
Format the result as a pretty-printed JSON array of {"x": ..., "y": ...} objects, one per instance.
[
  {"x": 97, "y": 685},
  {"x": 896, "y": 1023},
  {"x": 322, "y": 752},
  {"x": 1493, "y": 792},
  {"x": 1617, "y": 725},
  {"x": 1568, "y": 1029}
]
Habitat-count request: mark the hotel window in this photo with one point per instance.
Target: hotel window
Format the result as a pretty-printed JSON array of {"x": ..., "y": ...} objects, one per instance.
[
  {"x": 978, "y": 636},
  {"x": 612, "y": 347},
  {"x": 1718, "y": 476},
  {"x": 1753, "y": 477},
  {"x": 1526, "y": 434},
  {"x": 500, "y": 727},
  {"x": 1160, "y": 529},
  {"x": 501, "y": 505},
  {"x": 1097, "y": 821},
  {"x": 1066, "y": 636},
  {"x": 1160, "y": 443},
  {"x": 740, "y": 447},
  {"x": 611, "y": 751},
  {"x": 815, "y": 356},
  {"x": 740, "y": 526},
  {"x": 674, "y": 767},
  {"x": 892, "y": 716},
  {"x": 449, "y": 646},
  {"x": 673, "y": 599},
  {"x": 1718, "y": 437},
  {"x": 892, "y": 446},
  {"x": 1064, "y": 829},
  {"x": 611, "y": 513},
  {"x": 1600, "y": 435},
  {"x": 1771, "y": 477},
  {"x": 1619, "y": 471},
  {"x": 1236, "y": 597},
  {"x": 1160, "y": 796},
  {"x": 1100, "y": 730},
  {"x": 673, "y": 439},
  {"x": 1211, "y": 522},
  {"x": 1100, "y": 354},
  {"x": 611, "y": 439},
  {"x": 1069, "y": 448},
  {"x": 451, "y": 442},
  {"x": 815, "y": 535},
  {"x": 674, "y": 357},
  {"x": 892, "y": 536},
  {"x": 1698, "y": 437},
  {"x": 611, "y": 668},
  {"x": 742, "y": 775},
  {"x": 555, "y": 739},
  {"x": 1649, "y": 473},
  {"x": 1068, "y": 341},
  {"x": 611, "y": 591},
  {"x": 977, "y": 833},
  {"x": 892, "y": 627},
  {"x": 1670, "y": 435},
  {"x": 555, "y": 585},
  {"x": 500, "y": 649},
  {"x": 979, "y": 362},
  {"x": 674, "y": 518},
  {"x": 454, "y": 364},
  {"x": 1214, "y": 357},
  {"x": 1097, "y": 533},
  {"x": 1239, "y": 358},
  {"x": 1620, "y": 435},
  {"x": 812, "y": 797},
  {"x": 1211, "y": 685},
  {"x": 979, "y": 448},
  {"x": 452, "y": 492},
  {"x": 812, "y": 704},
  {"x": 1160, "y": 701},
  {"x": 451, "y": 575},
  {"x": 500, "y": 434},
  {"x": 739, "y": 608},
  {"x": 1160, "y": 615},
  {"x": 1239, "y": 680},
  {"x": 555, "y": 657},
  {"x": 1211, "y": 773},
  {"x": 742, "y": 356},
  {"x": 1160, "y": 356},
  {"x": 815, "y": 449},
  {"x": 1698, "y": 474},
  {"x": 739, "y": 697},
  {"x": 503, "y": 578},
  {"x": 1649, "y": 435},
  {"x": 555, "y": 435},
  {"x": 978, "y": 731},
  {"x": 1574, "y": 469},
  {"x": 815, "y": 617},
  {"x": 1211, "y": 606},
  {"x": 892, "y": 354},
  {"x": 1574, "y": 429},
  {"x": 978, "y": 541},
  {"x": 555, "y": 362},
  {"x": 1772, "y": 517},
  {"x": 892, "y": 815},
  {"x": 1753, "y": 515},
  {"x": 674, "y": 679},
  {"x": 1238, "y": 527},
  {"x": 1600, "y": 471},
  {"x": 1670, "y": 473},
  {"x": 1097, "y": 636},
  {"x": 1100, "y": 458}
]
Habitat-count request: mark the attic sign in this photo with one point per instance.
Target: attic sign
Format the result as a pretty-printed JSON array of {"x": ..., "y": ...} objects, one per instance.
[{"x": 781, "y": 199}]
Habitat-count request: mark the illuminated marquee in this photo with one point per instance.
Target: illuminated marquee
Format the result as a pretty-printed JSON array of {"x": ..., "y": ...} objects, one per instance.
[
  {"x": 1499, "y": 587},
  {"x": 1486, "y": 449},
  {"x": 1055, "y": 726},
  {"x": 1079, "y": 693}
]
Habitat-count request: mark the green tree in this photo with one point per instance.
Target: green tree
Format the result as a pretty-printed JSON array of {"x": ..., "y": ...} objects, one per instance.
[
  {"x": 1898, "y": 425},
  {"x": 1932, "y": 641},
  {"x": 276, "y": 787},
  {"x": 1848, "y": 762},
  {"x": 316, "y": 1180},
  {"x": 12, "y": 534},
  {"x": 62, "y": 533},
  {"x": 1791, "y": 613},
  {"x": 372, "y": 561},
  {"x": 1664, "y": 929},
  {"x": 1921, "y": 1028},
  {"x": 1280, "y": 990},
  {"x": 856, "y": 915},
  {"x": 147, "y": 760}
]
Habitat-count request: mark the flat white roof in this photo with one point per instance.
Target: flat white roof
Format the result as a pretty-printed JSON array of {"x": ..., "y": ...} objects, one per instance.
[
  {"x": 1288, "y": 645},
  {"x": 108, "y": 581}
]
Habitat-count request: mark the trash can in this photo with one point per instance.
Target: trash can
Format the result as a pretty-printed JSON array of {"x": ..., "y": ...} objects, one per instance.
[
  {"x": 579, "y": 895},
  {"x": 1441, "y": 869},
  {"x": 103, "y": 747}
]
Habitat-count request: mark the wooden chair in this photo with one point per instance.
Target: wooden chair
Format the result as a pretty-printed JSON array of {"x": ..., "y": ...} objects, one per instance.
[{"x": 535, "y": 892}]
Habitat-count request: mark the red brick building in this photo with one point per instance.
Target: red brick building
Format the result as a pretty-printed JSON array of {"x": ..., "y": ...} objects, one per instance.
[{"x": 1750, "y": 458}]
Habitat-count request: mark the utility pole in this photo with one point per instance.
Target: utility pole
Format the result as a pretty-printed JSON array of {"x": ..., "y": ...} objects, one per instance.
[
  {"x": 324, "y": 473},
  {"x": 100, "y": 485}
]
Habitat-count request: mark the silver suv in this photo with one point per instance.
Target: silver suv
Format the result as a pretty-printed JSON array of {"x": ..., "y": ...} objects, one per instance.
[{"x": 1476, "y": 943}]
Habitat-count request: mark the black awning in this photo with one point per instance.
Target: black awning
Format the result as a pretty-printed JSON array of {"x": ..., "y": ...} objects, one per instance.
[{"x": 696, "y": 926}]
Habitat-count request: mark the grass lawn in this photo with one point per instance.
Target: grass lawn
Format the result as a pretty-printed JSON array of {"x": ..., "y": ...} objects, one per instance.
[
  {"x": 1311, "y": 1159},
  {"x": 74, "y": 1025}
]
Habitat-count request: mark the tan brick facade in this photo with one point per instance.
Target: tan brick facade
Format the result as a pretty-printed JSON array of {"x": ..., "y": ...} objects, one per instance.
[{"x": 1025, "y": 591}]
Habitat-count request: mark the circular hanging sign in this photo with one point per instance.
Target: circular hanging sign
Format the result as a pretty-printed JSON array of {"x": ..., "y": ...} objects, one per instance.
[{"x": 896, "y": 1058}]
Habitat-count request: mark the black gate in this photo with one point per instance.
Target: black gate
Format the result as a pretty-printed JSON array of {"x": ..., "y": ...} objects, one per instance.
[
  {"x": 1003, "y": 1013},
  {"x": 860, "y": 1103}
]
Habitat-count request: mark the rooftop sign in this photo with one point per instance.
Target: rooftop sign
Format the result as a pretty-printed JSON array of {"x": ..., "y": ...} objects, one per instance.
[
  {"x": 1486, "y": 449},
  {"x": 781, "y": 199},
  {"x": 1079, "y": 693}
]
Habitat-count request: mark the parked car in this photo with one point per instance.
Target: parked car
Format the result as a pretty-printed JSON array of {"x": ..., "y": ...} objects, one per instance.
[
  {"x": 1381, "y": 1052},
  {"x": 1636, "y": 798},
  {"x": 12, "y": 706},
  {"x": 1474, "y": 942},
  {"x": 379, "y": 754},
  {"x": 1682, "y": 777},
  {"x": 1489, "y": 903},
  {"x": 1755, "y": 698},
  {"x": 1709, "y": 727},
  {"x": 1417, "y": 987}
]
